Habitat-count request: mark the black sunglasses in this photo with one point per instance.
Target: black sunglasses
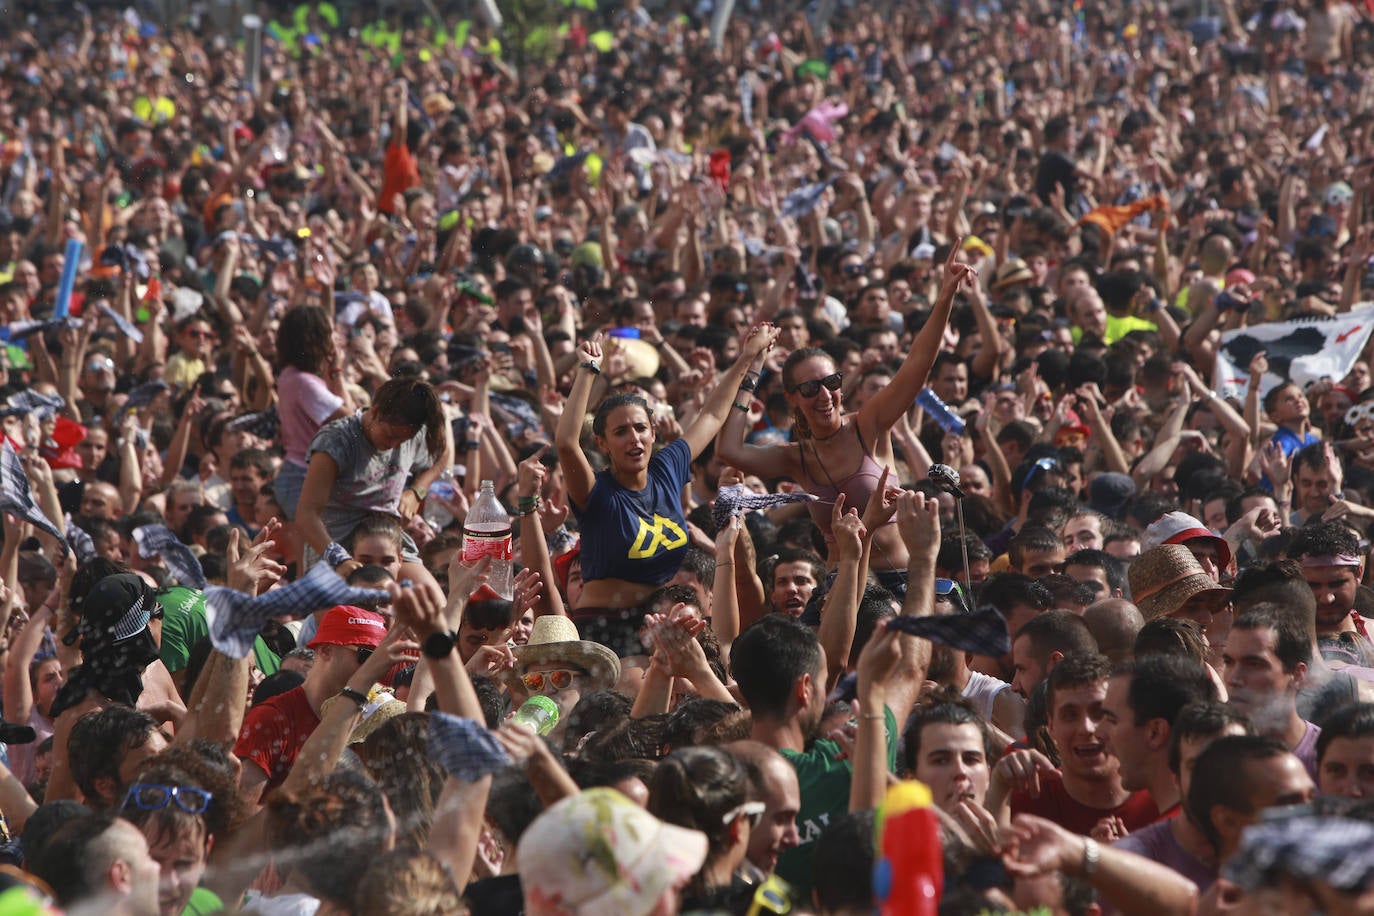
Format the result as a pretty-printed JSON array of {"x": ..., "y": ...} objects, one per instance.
[
  {"x": 812, "y": 387},
  {"x": 364, "y": 653}
]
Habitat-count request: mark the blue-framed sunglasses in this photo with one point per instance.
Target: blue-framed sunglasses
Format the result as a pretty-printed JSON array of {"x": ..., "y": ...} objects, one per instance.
[
  {"x": 952, "y": 592},
  {"x": 148, "y": 796}
]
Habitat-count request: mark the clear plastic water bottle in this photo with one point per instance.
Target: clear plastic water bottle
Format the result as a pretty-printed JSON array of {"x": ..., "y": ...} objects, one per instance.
[
  {"x": 539, "y": 714},
  {"x": 487, "y": 533},
  {"x": 435, "y": 513},
  {"x": 949, "y": 421},
  {"x": 277, "y": 143}
]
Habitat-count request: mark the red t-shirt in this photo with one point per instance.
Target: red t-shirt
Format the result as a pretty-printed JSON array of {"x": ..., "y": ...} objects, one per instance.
[
  {"x": 273, "y": 732},
  {"x": 1054, "y": 804},
  {"x": 399, "y": 174}
]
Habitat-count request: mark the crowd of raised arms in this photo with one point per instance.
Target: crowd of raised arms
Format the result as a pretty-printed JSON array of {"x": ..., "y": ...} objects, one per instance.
[{"x": 637, "y": 457}]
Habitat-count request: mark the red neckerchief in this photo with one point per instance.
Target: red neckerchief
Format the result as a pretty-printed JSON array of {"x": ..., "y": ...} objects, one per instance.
[{"x": 1360, "y": 627}]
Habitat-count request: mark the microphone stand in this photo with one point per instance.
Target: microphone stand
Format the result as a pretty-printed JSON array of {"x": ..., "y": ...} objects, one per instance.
[{"x": 963, "y": 539}]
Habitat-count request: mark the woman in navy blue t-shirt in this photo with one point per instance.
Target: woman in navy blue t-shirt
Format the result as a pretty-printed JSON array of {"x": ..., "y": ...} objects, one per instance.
[{"x": 634, "y": 532}]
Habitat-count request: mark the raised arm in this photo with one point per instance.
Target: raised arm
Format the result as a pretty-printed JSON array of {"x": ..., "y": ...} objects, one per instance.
[
  {"x": 567, "y": 438},
  {"x": 713, "y": 413},
  {"x": 725, "y": 617},
  {"x": 839, "y": 614},
  {"x": 1130, "y": 883},
  {"x": 766, "y": 461},
  {"x": 1166, "y": 442},
  {"x": 881, "y": 411},
  {"x": 534, "y": 546},
  {"x": 918, "y": 520}
]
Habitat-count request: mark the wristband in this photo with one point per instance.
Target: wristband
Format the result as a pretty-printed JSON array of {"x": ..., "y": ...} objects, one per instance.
[
  {"x": 470, "y": 444},
  {"x": 356, "y": 696},
  {"x": 335, "y": 555},
  {"x": 1091, "y": 855},
  {"x": 749, "y": 383},
  {"x": 418, "y": 495},
  {"x": 741, "y": 407},
  {"x": 591, "y": 365}
]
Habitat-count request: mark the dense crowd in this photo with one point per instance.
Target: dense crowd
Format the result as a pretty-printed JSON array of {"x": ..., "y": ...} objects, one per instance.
[{"x": 937, "y": 439}]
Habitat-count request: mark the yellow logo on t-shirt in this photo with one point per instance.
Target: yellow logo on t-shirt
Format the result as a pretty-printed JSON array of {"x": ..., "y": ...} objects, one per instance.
[{"x": 664, "y": 533}]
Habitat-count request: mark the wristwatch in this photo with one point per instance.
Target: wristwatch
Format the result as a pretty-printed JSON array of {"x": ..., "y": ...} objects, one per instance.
[
  {"x": 439, "y": 645},
  {"x": 354, "y": 695}
]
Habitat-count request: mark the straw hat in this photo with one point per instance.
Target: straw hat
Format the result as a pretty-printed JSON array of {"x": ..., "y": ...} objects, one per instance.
[
  {"x": 1010, "y": 273},
  {"x": 1165, "y": 577},
  {"x": 555, "y": 639},
  {"x": 381, "y": 710}
]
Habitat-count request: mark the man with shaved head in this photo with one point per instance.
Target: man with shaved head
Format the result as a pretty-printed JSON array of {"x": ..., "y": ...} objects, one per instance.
[{"x": 1114, "y": 623}]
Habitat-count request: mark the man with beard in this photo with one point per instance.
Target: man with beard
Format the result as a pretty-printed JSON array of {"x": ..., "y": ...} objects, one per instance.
[
  {"x": 1265, "y": 663},
  {"x": 1333, "y": 566},
  {"x": 1144, "y": 698},
  {"x": 780, "y": 668},
  {"x": 993, "y": 699},
  {"x": 1086, "y": 792},
  {"x": 1179, "y": 842}
]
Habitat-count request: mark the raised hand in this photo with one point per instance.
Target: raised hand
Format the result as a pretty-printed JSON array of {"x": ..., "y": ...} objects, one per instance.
[
  {"x": 252, "y": 571},
  {"x": 760, "y": 340},
  {"x": 525, "y": 590},
  {"x": 1020, "y": 771},
  {"x": 590, "y": 349},
  {"x": 882, "y": 504},
  {"x": 918, "y": 521}
]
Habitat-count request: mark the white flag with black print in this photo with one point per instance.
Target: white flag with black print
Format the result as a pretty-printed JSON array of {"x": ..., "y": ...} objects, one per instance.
[{"x": 1302, "y": 350}]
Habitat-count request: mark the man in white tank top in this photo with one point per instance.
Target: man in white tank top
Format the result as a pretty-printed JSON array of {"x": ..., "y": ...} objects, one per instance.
[{"x": 992, "y": 697}]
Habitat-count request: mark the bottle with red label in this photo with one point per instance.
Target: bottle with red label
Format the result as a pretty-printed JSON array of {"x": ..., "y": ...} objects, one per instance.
[{"x": 487, "y": 533}]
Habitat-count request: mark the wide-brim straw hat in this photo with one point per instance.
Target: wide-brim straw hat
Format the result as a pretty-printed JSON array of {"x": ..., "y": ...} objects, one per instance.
[
  {"x": 554, "y": 639},
  {"x": 1165, "y": 577}
]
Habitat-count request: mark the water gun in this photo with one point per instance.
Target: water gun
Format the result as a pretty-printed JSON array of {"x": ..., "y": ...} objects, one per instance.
[{"x": 908, "y": 870}]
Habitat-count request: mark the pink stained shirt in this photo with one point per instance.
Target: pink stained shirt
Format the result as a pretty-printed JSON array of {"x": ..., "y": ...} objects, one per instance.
[{"x": 304, "y": 402}]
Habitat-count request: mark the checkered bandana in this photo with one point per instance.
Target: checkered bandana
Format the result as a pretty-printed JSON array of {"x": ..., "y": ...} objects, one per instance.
[
  {"x": 236, "y": 619},
  {"x": 982, "y": 633}
]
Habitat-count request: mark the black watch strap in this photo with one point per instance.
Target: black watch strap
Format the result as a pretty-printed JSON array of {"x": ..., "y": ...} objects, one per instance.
[
  {"x": 439, "y": 645},
  {"x": 355, "y": 695}
]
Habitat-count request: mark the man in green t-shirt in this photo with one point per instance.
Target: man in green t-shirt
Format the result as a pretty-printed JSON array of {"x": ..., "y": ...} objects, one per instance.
[
  {"x": 780, "y": 667},
  {"x": 184, "y": 624}
]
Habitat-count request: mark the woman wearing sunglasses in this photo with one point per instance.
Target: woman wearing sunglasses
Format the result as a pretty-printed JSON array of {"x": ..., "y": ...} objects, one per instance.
[
  {"x": 708, "y": 789},
  {"x": 630, "y": 514},
  {"x": 834, "y": 453}
]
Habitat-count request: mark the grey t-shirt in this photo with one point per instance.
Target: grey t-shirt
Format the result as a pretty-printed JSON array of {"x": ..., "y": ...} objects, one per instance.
[{"x": 369, "y": 480}]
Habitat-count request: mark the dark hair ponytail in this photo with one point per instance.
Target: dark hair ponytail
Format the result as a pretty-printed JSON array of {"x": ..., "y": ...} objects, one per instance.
[{"x": 412, "y": 402}]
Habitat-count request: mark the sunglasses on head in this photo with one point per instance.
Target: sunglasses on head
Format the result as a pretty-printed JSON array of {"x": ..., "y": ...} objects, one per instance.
[
  {"x": 752, "y": 811},
  {"x": 812, "y": 387},
  {"x": 147, "y": 796},
  {"x": 541, "y": 681}
]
